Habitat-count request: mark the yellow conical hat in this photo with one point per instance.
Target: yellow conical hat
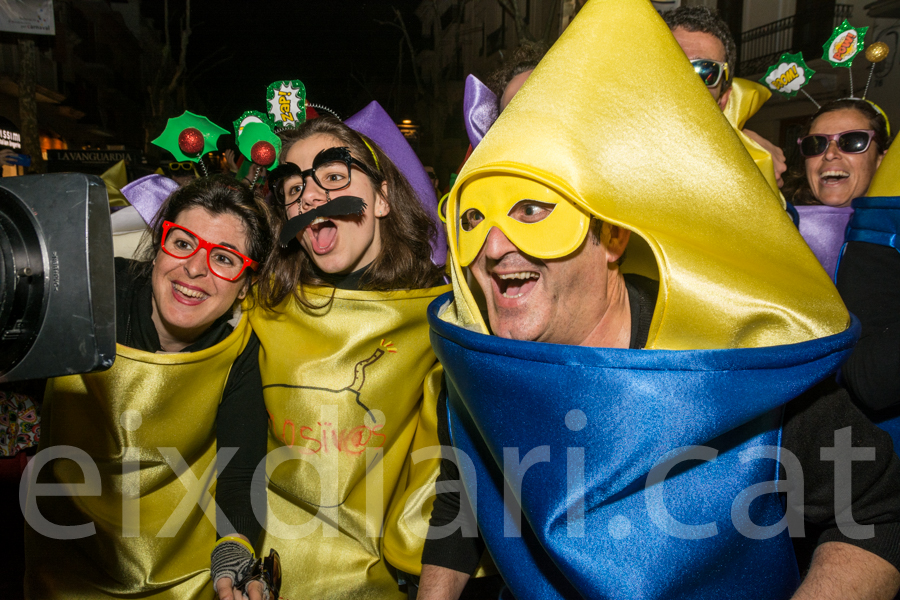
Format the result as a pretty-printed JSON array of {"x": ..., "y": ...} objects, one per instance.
[
  {"x": 887, "y": 178},
  {"x": 615, "y": 119},
  {"x": 746, "y": 98}
]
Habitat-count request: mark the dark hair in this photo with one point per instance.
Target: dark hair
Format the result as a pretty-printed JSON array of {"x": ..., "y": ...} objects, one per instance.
[
  {"x": 407, "y": 231},
  {"x": 706, "y": 20},
  {"x": 217, "y": 194},
  {"x": 524, "y": 58},
  {"x": 796, "y": 187}
]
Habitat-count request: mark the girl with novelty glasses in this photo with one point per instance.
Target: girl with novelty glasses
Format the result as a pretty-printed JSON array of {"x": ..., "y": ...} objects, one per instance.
[
  {"x": 844, "y": 145},
  {"x": 349, "y": 377},
  {"x": 186, "y": 370}
]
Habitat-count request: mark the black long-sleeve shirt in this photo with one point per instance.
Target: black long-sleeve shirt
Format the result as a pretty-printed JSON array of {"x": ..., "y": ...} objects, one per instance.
[
  {"x": 869, "y": 282},
  {"x": 810, "y": 421}
]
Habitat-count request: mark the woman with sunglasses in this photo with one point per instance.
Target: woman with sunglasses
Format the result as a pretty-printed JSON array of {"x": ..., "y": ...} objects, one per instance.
[
  {"x": 142, "y": 435},
  {"x": 844, "y": 145},
  {"x": 349, "y": 377}
]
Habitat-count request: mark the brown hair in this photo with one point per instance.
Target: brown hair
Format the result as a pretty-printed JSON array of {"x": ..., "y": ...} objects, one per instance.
[
  {"x": 796, "y": 187},
  {"x": 524, "y": 58},
  {"x": 407, "y": 231},
  {"x": 217, "y": 194},
  {"x": 706, "y": 20}
]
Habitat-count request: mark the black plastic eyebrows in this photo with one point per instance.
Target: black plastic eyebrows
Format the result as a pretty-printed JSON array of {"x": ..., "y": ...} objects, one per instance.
[{"x": 339, "y": 207}]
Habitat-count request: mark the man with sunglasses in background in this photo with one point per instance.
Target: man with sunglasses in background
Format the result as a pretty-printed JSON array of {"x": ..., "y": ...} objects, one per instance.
[
  {"x": 709, "y": 46},
  {"x": 182, "y": 172},
  {"x": 640, "y": 428}
]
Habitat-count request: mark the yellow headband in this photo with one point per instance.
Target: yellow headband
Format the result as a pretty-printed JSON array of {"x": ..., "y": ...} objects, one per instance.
[{"x": 372, "y": 150}]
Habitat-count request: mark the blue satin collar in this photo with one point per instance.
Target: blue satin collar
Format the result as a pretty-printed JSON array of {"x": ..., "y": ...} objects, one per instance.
[
  {"x": 875, "y": 220},
  {"x": 622, "y": 412}
]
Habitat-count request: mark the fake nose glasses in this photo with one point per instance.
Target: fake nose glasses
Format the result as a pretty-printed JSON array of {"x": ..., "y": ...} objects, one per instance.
[{"x": 536, "y": 219}]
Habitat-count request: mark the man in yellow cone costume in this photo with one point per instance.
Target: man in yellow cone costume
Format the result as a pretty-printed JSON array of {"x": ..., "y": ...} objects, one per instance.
[{"x": 644, "y": 474}]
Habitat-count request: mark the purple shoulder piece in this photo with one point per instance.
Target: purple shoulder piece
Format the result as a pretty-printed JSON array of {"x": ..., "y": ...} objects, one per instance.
[
  {"x": 480, "y": 109},
  {"x": 376, "y": 124},
  {"x": 823, "y": 229},
  {"x": 147, "y": 194}
]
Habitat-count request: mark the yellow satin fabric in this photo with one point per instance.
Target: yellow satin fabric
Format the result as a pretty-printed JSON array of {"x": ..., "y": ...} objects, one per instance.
[
  {"x": 370, "y": 385},
  {"x": 747, "y": 97},
  {"x": 886, "y": 181},
  {"x": 177, "y": 397},
  {"x": 656, "y": 155}
]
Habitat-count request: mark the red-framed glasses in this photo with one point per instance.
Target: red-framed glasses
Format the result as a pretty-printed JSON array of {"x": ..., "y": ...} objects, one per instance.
[{"x": 224, "y": 262}]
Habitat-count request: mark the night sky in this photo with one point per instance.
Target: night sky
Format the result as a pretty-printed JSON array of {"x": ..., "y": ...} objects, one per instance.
[{"x": 336, "y": 48}]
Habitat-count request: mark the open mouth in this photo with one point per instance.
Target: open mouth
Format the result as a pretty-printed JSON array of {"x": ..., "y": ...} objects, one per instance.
[
  {"x": 188, "y": 295},
  {"x": 322, "y": 235},
  {"x": 834, "y": 177},
  {"x": 515, "y": 285}
]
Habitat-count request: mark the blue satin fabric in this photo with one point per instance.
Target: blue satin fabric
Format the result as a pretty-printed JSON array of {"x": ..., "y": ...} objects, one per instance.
[
  {"x": 876, "y": 220},
  {"x": 638, "y": 406}
]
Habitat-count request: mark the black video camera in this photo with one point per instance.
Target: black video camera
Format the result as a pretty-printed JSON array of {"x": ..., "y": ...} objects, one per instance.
[{"x": 57, "y": 278}]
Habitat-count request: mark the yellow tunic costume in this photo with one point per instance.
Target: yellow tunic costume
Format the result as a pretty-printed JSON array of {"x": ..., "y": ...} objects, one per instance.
[
  {"x": 351, "y": 391},
  {"x": 143, "y": 422}
]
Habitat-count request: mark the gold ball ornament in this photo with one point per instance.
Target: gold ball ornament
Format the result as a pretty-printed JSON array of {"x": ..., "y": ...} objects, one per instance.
[{"x": 877, "y": 52}]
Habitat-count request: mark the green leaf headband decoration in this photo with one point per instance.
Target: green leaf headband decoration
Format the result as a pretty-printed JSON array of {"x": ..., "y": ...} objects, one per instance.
[
  {"x": 287, "y": 103},
  {"x": 250, "y": 116},
  {"x": 189, "y": 137},
  {"x": 259, "y": 143}
]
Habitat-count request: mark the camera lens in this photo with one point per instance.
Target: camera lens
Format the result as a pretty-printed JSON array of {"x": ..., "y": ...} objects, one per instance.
[{"x": 21, "y": 281}]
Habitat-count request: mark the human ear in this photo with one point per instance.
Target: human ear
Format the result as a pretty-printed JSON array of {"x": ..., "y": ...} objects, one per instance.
[
  {"x": 245, "y": 287},
  {"x": 382, "y": 208},
  {"x": 616, "y": 242},
  {"x": 879, "y": 159}
]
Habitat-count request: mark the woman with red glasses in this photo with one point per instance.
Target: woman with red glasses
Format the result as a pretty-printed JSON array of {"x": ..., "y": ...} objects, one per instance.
[
  {"x": 349, "y": 377},
  {"x": 144, "y": 433},
  {"x": 843, "y": 147}
]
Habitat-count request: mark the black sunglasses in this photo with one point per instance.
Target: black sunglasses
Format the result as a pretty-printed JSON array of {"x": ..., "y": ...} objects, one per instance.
[{"x": 856, "y": 141}]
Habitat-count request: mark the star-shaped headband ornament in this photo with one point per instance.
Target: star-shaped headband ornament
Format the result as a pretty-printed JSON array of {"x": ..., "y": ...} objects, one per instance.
[
  {"x": 790, "y": 73},
  {"x": 286, "y": 103},
  {"x": 189, "y": 137}
]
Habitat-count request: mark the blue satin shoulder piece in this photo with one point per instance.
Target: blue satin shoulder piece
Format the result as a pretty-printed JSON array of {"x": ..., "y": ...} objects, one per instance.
[
  {"x": 875, "y": 220},
  {"x": 651, "y": 472}
]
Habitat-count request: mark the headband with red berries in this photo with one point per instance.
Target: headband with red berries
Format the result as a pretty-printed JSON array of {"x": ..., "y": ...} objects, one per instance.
[{"x": 189, "y": 137}]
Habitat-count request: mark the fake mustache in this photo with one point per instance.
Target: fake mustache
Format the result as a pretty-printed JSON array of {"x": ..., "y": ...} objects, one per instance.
[{"x": 342, "y": 206}]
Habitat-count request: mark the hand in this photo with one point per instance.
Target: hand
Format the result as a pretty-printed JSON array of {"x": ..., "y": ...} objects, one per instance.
[
  {"x": 229, "y": 161},
  {"x": 226, "y": 591},
  {"x": 254, "y": 173},
  {"x": 8, "y": 157},
  {"x": 778, "y": 161}
]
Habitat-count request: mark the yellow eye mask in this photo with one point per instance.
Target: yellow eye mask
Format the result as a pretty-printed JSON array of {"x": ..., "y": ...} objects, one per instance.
[{"x": 538, "y": 220}]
